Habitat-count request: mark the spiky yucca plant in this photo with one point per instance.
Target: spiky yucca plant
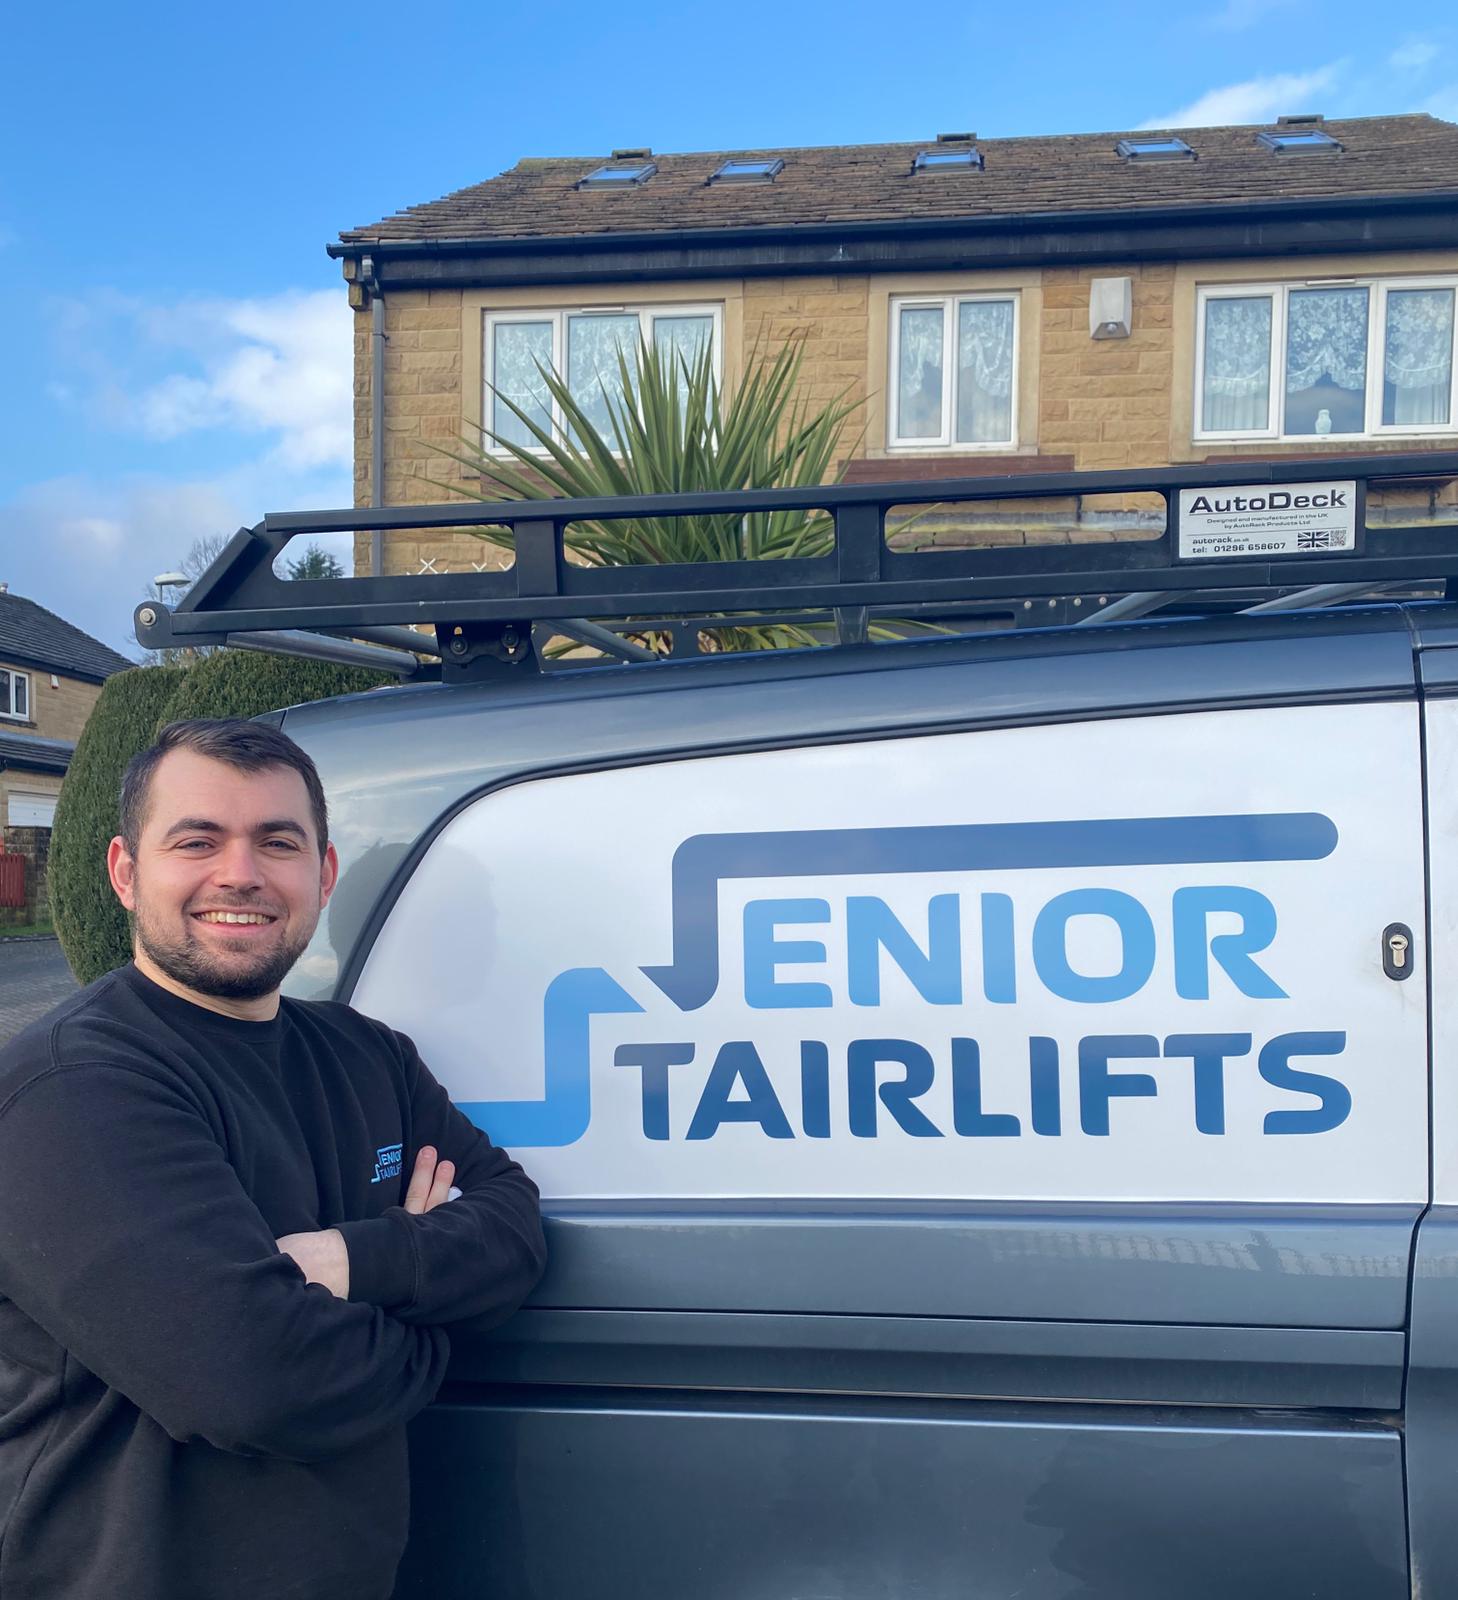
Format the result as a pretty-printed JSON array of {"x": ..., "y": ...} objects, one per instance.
[{"x": 673, "y": 428}]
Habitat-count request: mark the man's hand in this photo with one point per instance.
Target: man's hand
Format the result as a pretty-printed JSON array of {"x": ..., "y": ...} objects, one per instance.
[
  {"x": 430, "y": 1183},
  {"x": 322, "y": 1257}
]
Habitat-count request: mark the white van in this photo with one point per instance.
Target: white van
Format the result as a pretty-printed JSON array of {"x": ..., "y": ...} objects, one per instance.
[{"x": 998, "y": 1133}]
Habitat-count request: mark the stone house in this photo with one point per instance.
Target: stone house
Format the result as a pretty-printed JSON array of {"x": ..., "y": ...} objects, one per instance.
[
  {"x": 996, "y": 305},
  {"x": 51, "y": 675}
]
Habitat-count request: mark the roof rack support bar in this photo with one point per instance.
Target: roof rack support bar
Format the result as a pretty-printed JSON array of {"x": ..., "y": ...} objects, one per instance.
[
  {"x": 605, "y": 639},
  {"x": 422, "y": 644},
  {"x": 313, "y": 647},
  {"x": 1129, "y": 606},
  {"x": 537, "y": 568},
  {"x": 1320, "y": 594}
]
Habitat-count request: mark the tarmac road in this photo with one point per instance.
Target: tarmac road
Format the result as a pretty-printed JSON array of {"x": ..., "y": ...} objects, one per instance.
[{"x": 33, "y": 978}]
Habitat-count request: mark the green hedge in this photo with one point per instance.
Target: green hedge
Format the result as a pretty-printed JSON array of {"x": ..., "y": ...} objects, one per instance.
[{"x": 90, "y": 922}]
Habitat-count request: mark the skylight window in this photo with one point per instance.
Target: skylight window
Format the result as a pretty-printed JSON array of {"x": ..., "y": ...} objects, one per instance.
[
  {"x": 1164, "y": 149},
  {"x": 747, "y": 171},
  {"x": 1299, "y": 141},
  {"x": 619, "y": 175},
  {"x": 948, "y": 158}
]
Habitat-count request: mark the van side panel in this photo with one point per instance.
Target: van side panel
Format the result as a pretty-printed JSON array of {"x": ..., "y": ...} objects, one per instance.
[
  {"x": 633, "y": 1496},
  {"x": 1133, "y": 962},
  {"x": 1431, "y": 1413},
  {"x": 979, "y": 1161}
]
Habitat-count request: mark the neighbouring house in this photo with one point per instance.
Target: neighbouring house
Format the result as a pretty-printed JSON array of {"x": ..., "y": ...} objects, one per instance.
[
  {"x": 998, "y": 305},
  {"x": 51, "y": 674}
]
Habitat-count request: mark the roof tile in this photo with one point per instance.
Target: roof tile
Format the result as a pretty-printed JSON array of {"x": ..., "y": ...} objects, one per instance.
[
  {"x": 539, "y": 197},
  {"x": 28, "y": 632}
]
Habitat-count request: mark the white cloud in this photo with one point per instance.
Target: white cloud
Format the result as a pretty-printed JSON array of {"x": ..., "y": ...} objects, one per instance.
[
  {"x": 86, "y": 547},
  {"x": 1256, "y": 100},
  {"x": 1413, "y": 55},
  {"x": 281, "y": 365},
  {"x": 276, "y": 370},
  {"x": 1236, "y": 15},
  {"x": 263, "y": 385}
]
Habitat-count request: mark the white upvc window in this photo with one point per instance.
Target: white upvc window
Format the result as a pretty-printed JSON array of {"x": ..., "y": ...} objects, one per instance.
[
  {"x": 1339, "y": 358},
  {"x": 582, "y": 344},
  {"x": 953, "y": 383},
  {"x": 14, "y": 695}
]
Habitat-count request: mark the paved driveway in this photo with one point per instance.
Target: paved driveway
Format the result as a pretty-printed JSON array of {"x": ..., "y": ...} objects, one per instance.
[{"x": 33, "y": 977}]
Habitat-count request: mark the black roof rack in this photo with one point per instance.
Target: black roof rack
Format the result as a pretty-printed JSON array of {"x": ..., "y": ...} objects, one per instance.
[{"x": 485, "y": 620}]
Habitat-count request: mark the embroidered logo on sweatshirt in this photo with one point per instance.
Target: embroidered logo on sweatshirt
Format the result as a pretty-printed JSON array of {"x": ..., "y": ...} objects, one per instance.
[{"x": 387, "y": 1162}]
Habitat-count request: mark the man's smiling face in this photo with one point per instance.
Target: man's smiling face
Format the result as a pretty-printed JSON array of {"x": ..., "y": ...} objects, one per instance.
[{"x": 228, "y": 880}]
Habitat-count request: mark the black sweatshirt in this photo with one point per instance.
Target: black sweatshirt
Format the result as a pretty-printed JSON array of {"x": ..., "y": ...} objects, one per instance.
[{"x": 182, "y": 1416}]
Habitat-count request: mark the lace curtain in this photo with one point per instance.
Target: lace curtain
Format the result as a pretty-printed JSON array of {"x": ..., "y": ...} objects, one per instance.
[
  {"x": 1418, "y": 370},
  {"x": 519, "y": 348},
  {"x": 683, "y": 339},
  {"x": 984, "y": 371},
  {"x": 1326, "y": 338},
  {"x": 593, "y": 374},
  {"x": 919, "y": 378},
  {"x": 1237, "y": 364}
]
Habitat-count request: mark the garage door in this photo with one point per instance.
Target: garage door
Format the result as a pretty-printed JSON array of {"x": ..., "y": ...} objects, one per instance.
[{"x": 31, "y": 810}]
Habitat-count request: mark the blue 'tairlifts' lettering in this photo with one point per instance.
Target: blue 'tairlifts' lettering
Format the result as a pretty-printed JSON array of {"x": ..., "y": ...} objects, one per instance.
[{"x": 884, "y": 1088}]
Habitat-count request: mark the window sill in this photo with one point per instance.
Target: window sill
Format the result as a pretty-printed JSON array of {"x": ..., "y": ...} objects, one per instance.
[
  {"x": 1344, "y": 442},
  {"x": 914, "y": 468}
]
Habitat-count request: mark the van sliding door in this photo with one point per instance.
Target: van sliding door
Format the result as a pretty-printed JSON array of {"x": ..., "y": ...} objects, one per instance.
[{"x": 976, "y": 1163}]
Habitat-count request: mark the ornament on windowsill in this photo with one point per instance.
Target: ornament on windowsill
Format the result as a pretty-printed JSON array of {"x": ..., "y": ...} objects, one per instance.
[{"x": 1323, "y": 421}]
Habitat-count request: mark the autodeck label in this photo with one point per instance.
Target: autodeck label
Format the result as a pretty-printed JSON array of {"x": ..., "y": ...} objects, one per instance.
[{"x": 1292, "y": 519}]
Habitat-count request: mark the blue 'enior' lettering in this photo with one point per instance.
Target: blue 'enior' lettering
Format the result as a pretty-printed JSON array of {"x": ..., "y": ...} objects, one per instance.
[
  {"x": 1192, "y": 948},
  {"x": 936, "y": 972},
  {"x": 763, "y": 953},
  {"x": 1050, "y": 945}
]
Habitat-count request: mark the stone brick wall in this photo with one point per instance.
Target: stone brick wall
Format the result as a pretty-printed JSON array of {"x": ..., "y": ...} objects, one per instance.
[
  {"x": 831, "y": 315},
  {"x": 58, "y": 713},
  {"x": 35, "y": 845},
  {"x": 1088, "y": 404},
  {"x": 423, "y": 407},
  {"x": 1106, "y": 401}
]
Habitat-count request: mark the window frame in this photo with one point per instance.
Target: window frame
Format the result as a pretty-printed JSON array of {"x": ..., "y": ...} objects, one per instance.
[
  {"x": 558, "y": 316},
  {"x": 944, "y": 443},
  {"x": 15, "y": 676},
  {"x": 1378, "y": 287}
]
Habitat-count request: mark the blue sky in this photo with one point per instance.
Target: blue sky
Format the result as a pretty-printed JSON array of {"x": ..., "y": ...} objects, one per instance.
[{"x": 177, "y": 360}]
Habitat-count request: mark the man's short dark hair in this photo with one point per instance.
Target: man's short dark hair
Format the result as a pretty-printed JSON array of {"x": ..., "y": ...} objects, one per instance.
[{"x": 248, "y": 746}]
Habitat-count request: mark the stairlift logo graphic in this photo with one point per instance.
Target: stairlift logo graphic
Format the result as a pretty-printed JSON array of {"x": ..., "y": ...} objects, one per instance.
[{"x": 879, "y": 1082}]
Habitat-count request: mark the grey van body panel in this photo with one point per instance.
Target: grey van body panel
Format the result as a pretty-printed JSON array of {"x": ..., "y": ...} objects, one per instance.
[
  {"x": 1278, "y": 1266},
  {"x": 665, "y": 1497},
  {"x": 985, "y": 1358},
  {"x": 858, "y": 1402},
  {"x": 1432, "y": 1404},
  {"x": 394, "y": 771}
]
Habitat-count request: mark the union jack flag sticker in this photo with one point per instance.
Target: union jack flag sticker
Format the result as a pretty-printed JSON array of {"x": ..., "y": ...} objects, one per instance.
[{"x": 1320, "y": 539}]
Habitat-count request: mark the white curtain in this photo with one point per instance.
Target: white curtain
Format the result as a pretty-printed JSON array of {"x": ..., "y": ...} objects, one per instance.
[
  {"x": 1418, "y": 370},
  {"x": 522, "y": 349},
  {"x": 683, "y": 341},
  {"x": 919, "y": 378},
  {"x": 593, "y": 373},
  {"x": 1237, "y": 377},
  {"x": 984, "y": 371},
  {"x": 1326, "y": 337}
]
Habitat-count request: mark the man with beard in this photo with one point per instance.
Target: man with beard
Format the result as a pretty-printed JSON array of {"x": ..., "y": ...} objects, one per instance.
[{"x": 234, "y": 1228}]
